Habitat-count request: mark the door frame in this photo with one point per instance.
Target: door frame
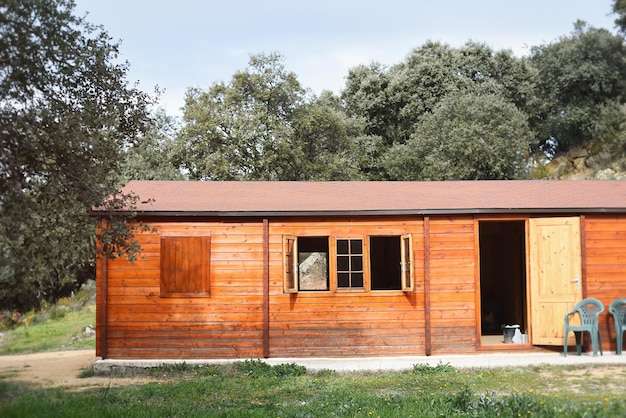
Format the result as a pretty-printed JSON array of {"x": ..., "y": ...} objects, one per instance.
[
  {"x": 525, "y": 260},
  {"x": 529, "y": 268}
]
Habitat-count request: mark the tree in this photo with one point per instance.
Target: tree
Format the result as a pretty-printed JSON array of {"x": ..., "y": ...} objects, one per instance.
[
  {"x": 468, "y": 136},
  {"x": 242, "y": 130},
  {"x": 366, "y": 96},
  {"x": 263, "y": 125},
  {"x": 151, "y": 158},
  {"x": 619, "y": 8},
  {"x": 325, "y": 139},
  {"x": 393, "y": 100},
  {"x": 577, "y": 76},
  {"x": 66, "y": 115},
  {"x": 609, "y": 143}
]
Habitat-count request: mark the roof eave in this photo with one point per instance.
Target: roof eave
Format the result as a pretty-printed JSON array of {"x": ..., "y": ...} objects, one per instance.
[{"x": 397, "y": 212}]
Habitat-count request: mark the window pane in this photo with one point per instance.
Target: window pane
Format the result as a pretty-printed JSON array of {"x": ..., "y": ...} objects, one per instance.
[
  {"x": 350, "y": 263},
  {"x": 343, "y": 279},
  {"x": 313, "y": 270},
  {"x": 357, "y": 279},
  {"x": 313, "y": 263},
  {"x": 343, "y": 263},
  {"x": 357, "y": 263},
  {"x": 385, "y": 263},
  {"x": 342, "y": 246},
  {"x": 356, "y": 246}
]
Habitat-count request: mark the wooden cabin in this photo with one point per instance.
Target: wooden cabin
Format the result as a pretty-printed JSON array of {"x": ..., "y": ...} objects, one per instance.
[{"x": 331, "y": 269}]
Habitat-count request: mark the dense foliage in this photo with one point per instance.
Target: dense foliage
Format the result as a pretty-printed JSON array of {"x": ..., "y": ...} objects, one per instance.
[
  {"x": 467, "y": 136},
  {"x": 576, "y": 77},
  {"x": 73, "y": 129},
  {"x": 442, "y": 113},
  {"x": 66, "y": 115}
]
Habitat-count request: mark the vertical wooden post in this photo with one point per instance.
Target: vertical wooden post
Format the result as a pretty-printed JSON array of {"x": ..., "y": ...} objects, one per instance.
[
  {"x": 266, "y": 288},
  {"x": 101, "y": 306},
  {"x": 427, "y": 330}
]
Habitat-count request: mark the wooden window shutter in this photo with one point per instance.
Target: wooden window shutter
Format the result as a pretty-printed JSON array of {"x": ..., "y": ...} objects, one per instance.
[
  {"x": 290, "y": 264},
  {"x": 406, "y": 251},
  {"x": 185, "y": 266}
]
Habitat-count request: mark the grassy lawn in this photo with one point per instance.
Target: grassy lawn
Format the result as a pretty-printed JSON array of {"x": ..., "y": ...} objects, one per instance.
[
  {"x": 53, "y": 328},
  {"x": 255, "y": 389},
  {"x": 64, "y": 333}
]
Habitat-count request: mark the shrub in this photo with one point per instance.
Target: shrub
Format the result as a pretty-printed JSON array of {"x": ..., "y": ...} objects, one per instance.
[
  {"x": 253, "y": 368},
  {"x": 427, "y": 369},
  {"x": 258, "y": 368},
  {"x": 290, "y": 369}
]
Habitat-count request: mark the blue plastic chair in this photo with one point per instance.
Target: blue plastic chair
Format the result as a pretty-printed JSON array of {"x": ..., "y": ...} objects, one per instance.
[
  {"x": 588, "y": 310},
  {"x": 618, "y": 309}
]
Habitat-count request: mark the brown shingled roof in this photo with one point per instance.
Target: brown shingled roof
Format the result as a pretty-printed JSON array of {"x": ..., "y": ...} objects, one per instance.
[{"x": 192, "y": 198}]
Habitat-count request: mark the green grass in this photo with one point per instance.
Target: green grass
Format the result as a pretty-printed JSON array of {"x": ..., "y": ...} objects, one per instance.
[
  {"x": 53, "y": 328},
  {"x": 255, "y": 389},
  {"x": 55, "y": 334}
]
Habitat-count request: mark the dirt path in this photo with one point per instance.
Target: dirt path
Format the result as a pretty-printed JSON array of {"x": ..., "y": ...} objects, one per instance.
[{"x": 58, "y": 368}]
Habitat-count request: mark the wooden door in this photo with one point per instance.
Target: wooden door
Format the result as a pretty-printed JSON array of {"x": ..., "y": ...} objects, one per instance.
[{"x": 555, "y": 276}]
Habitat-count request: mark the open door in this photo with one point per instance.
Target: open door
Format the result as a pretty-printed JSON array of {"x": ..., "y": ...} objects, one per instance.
[
  {"x": 503, "y": 295},
  {"x": 555, "y": 276}
]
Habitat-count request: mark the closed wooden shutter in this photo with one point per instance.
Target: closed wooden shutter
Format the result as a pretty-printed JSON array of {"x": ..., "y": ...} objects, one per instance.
[{"x": 185, "y": 266}]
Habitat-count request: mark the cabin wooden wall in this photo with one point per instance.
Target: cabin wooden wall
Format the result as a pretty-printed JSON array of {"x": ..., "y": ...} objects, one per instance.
[
  {"x": 604, "y": 250},
  {"x": 452, "y": 284},
  {"x": 334, "y": 323},
  {"x": 229, "y": 323},
  {"x": 346, "y": 323},
  {"x": 141, "y": 324}
]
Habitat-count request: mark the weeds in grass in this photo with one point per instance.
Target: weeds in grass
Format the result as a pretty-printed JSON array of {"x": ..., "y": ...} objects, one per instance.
[
  {"x": 258, "y": 368},
  {"x": 87, "y": 372},
  {"x": 85, "y": 296},
  {"x": 52, "y": 327},
  {"x": 426, "y": 369},
  {"x": 254, "y": 388}
]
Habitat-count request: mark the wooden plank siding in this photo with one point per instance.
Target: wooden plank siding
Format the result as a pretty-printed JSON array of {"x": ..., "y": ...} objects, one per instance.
[
  {"x": 142, "y": 324},
  {"x": 337, "y": 323},
  {"x": 452, "y": 284},
  {"x": 605, "y": 260},
  {"x": 229, "y": 323}
]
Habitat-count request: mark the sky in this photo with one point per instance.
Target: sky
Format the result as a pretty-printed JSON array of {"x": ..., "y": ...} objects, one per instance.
[{"x": 195, "y": 43}]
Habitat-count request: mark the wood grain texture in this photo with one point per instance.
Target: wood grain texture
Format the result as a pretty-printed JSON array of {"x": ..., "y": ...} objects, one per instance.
[
  {"x": 452, "y": 284},
  {"x": 140, "y": 323},
  {"x": 605, "y": 266}
]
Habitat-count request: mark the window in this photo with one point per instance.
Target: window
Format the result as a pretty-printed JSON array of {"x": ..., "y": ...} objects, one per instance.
[
  {"x": 350, "y": 263},
  {"x": 306, "y": 264},
  {"x": 185, "y": 263},
  {"x": 390, "y": 263},
  {"x": 385, "y": 264}
]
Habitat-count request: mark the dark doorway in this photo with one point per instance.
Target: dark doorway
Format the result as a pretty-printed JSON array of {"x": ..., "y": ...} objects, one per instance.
[{"x": 502, "y": 277}]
